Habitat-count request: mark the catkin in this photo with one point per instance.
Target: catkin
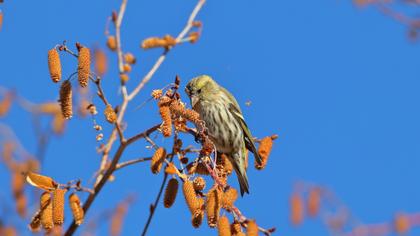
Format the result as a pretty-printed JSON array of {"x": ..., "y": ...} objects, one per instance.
[
  {"x": 46, "y": 211},
  {"x": 21, "y": 203},
  {"x": 225, "y": 162},
  {"x": 179, "y": 109},
  {"x": 58, "y": 206},
  {"x": 130, "y": 58},
  {"x": 170, "y": 193},
  {"x": 223, "y": 227},
  {"x": 165, "y": 113},
  {"x": 190, "y": 197},
  {"x": 6, "y": 103},
  {"x": 313, "y": 203},
  {"x": 66, "y": 102},
  {"x": 41, "y": 181},
  {"x": 54, "y": 65},
  {"x": 155, "y": 42},
  {"x": 252, "y": 228},
  {"x": 111, "y": 43},
  {"x": 264, "y": 151},
  {"x": 18, "y": 183},
  {"x": 101, "y": 62},
  {"x": 83, "y": 68},
  {"x": 58, "y": 124},
  {"x": 213, "y": 206},
  {"x": 110, "y": 114},
  {"x": 76, "y": 209},
  {"x": 157, "y": 160},
  {"x": 236, "y": 228},
  {"x": 35, "y": 223},
  {"x": 228, "y": 198},
  {"x": 296, "y": 209},
  {"x": 199, "y": 183},
  {"x": 401, "y": 224},
  {"x": 198, "y": 216}
]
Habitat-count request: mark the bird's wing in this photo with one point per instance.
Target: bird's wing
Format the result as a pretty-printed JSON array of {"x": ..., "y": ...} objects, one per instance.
[{"x": 249, "y": 143}]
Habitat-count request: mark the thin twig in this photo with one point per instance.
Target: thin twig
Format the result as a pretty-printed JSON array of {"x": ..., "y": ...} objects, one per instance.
[
  {"x": 162, "y": 57},
  {"x": 131, "y": 162}
]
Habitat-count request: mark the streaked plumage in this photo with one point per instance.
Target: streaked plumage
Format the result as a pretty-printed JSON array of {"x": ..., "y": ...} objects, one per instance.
[{"x": 224, "y": 121}]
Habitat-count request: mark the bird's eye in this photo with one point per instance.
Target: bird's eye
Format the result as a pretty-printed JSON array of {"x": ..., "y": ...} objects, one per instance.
[{"x": 199, "y": 91}]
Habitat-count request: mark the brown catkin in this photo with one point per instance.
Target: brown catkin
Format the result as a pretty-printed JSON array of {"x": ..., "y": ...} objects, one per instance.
[
  {"x": 76, "y": 209},
  {"x": 66, "y": 102},
  {"x": 130, "y": 58},
  {"x": 199, "y": 183},
  {"x": 165, "y": 113},
  {"x": 228, "y": 198},
  {"x": 41, "y": 181},
  {"x": 296, "y": 209},
  {"x": 313, "y": 203},
  {"x": 117, "y": 219},
  {"x": 223, "y": 227},
  {"x": 197, "y": 217},
  {"x": 235, "y": 228},
  {"x": 170, "y": 193},
  {"x": 18, "y": 183},
  {"x": 83, "y": 68},
  {"x": 58, "y": 206},
  {"x": 213, "y": 206},
  {"x": 179, "y": 109},
  {"x": 252, "y": 228},
  {"x": 101, "y": 62},
  {"x": 401, "y": 224},
  {"x": 190, "y": 197},
  {"x": 21, "y": 203},
  {"x": 264, "y": 151},
  {"x": 58, "y": 124},
  {"x": 54, "y": 65},
  {"x": 157, "y": 160},
  {"x": 35, "y": 224},
  {"x": 110, "y": 114},
  {"x": 111, "y": 43},
  {"x": 225, "y": 162},
  {"x": 6, "y": 103},
  {"x": 46, "y": 211}
]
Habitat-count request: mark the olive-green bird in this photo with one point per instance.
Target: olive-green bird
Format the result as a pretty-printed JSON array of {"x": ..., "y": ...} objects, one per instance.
[{"x": 225, "y": 123}]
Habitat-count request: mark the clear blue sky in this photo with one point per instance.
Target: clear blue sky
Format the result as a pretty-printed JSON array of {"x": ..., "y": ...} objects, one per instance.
[{"x": 339, "y": 85}]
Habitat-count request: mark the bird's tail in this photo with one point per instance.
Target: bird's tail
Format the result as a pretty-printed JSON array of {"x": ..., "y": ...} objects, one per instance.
[{"x": 238, "y": 163}]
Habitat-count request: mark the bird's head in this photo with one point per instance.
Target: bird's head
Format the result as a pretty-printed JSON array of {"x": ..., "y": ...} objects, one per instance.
[{"x": 202, "y": 87}]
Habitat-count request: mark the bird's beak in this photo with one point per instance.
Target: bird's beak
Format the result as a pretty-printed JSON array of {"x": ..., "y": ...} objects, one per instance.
[{"x": 194, "y": 100}]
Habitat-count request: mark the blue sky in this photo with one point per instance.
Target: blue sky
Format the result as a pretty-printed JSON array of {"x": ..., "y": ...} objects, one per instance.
[{"x": 338, "y": 84}]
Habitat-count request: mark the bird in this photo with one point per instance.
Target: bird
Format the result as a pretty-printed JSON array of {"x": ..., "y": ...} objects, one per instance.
[{"x": 226, "y": 126}]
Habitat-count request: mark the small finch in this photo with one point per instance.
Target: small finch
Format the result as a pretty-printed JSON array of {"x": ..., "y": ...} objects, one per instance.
[{"x": 225, "y": 123}]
